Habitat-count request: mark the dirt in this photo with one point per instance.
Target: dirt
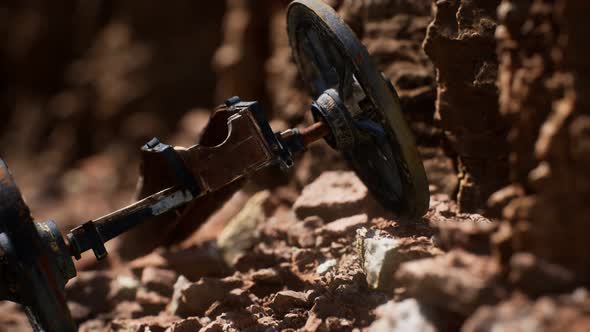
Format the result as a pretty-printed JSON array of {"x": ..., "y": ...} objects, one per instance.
[{"x": 495, "y": 92}]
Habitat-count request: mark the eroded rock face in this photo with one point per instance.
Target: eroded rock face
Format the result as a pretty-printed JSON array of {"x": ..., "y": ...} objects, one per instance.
[
  {"x": 543, "y": 54},
  {"x": 239, "y": 61},
  {"x": 460, "y": 42},
  {"x": 393, "y": 32}
]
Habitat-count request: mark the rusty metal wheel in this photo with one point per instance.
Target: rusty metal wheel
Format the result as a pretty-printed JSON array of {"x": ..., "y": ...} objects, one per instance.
[{"x": 375, "y": 139}]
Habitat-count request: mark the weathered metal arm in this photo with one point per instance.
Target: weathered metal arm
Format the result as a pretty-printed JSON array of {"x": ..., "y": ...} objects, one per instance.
[{"x": 200, "y": 169}]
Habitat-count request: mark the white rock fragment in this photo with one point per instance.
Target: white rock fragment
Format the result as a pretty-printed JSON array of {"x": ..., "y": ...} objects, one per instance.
[
  {"x": 326, "y": 266},
  {"x": 377, "y": 255},
  {"x": 382, "y": 255},
  {"x": 407, "y": 315},
  {"x": 242, "y": 232}
]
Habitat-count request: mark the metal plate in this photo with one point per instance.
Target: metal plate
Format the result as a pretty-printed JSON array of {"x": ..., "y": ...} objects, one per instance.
[{"x": 329, "y": 55}]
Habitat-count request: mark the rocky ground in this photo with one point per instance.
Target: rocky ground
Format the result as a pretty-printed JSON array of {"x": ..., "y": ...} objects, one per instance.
[{"x": 495, "y": 92}]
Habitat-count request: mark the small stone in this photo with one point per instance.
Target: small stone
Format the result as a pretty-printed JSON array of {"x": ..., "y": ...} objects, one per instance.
[
  {"x": 78, "y": 311},
  {"x": 326, "y": 266},
  {"x": 536, "y": 276},
  {"x": 303, "y": 258},
  {"x": 123, "y": 288},
  {"x": 193, "y": 299},
  {"x": 177, "y": 302},
  {"x": 287, "y": 300},
  {"x": 93, "y": 325},
  {"x": 148, "y": 323},
  {"x": 232, "y": 321},
  {"x": 407, "y": 315},
  {"x": 212, "y": 327},
  {"x": 381, "y": 256},
  {"x": 266, "y": 276},
  {"x": 194, "y": 261},
  {"x": 127, "y": 309},
  {"x": 471, "y": 232},
  {"x": 313, "y": 323},
  {"x": 92, "y": 289},
  {"x": 238, "y": 298},
  {"x": 191, "y": 324},
  {"x": 151, "y": 302},
  {"x": 159, "y": 280},
  {"x": 302, "y": 233},
  {"x": 294, "y": 320},
  {"x": 333, "y": 195},
  {"x": 337, "y": 324}
]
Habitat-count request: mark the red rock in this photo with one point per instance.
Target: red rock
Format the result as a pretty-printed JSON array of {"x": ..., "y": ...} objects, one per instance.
[
  {"x": 558, "y": 313},
  {"x": 536, "y": 276},
  {"x": 458, "y": 281},
  {"x": 127, "y": 309},
  {"x": 150, "y": 323},
  {"x": 381, "y": 256},
  {"x": 460, "y": 42},
  {"x": 191, "y": 324},
  {"x": 470, "y": 232},
  {"x": 285, "y": 301},
  {"x": 79, "y": 312},
  {"x": 242, "y": 232},
  {"x": 233, "y": 321},
  {"x": 545, "y": 98},
  {"x": 159, "y": 280},
  {"x": 302, "y": 233},
  {"x": 151, "y": 302},
  {"x": 440, "y": 170},
  {"x": 194, "y": 262},
  {"x": 193, "y": 299},
  {"x": 293, "y": 320},
  {"x": 407, "y": 315},
  {"x": 100, "y": 291},
  {"x": 266, "y": 276},
  {"x": 93, "y": 325},
  {"x": 333, "y": 195},
  {"x": 343, "y": 226}
]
